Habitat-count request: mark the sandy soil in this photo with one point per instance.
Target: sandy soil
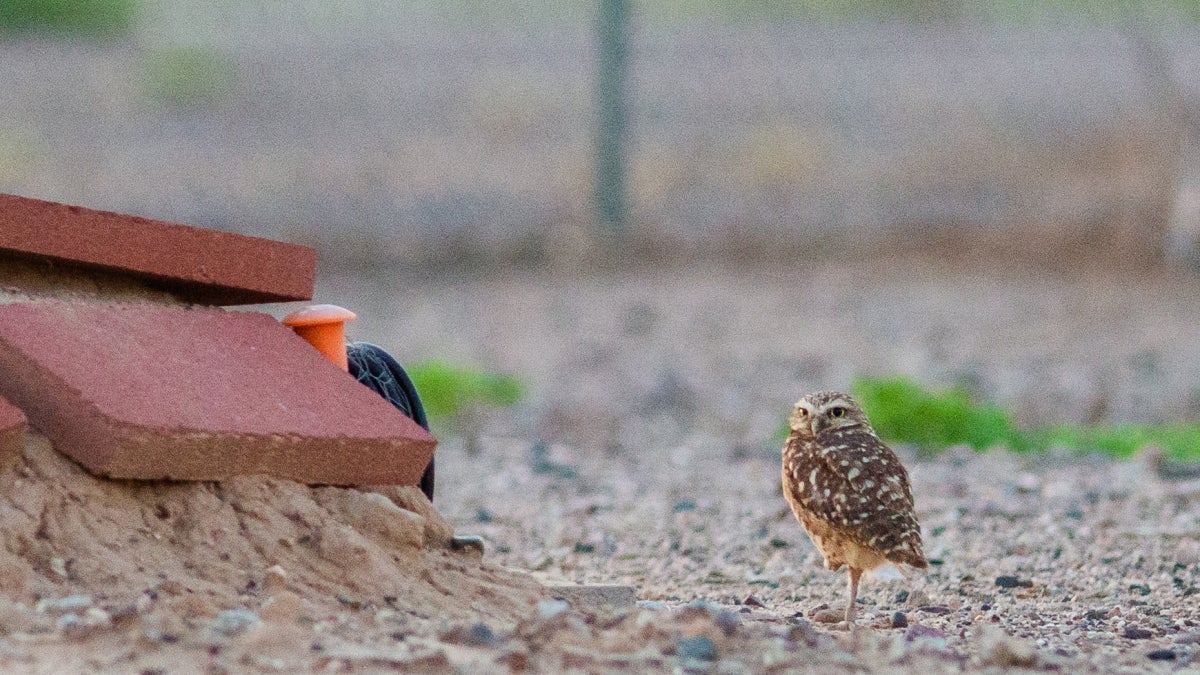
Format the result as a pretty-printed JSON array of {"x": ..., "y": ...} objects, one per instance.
[{"x": 646, "y": 455}]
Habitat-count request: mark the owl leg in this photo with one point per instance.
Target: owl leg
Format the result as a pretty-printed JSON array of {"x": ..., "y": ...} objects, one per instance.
[{"x": 855, "y": 575}]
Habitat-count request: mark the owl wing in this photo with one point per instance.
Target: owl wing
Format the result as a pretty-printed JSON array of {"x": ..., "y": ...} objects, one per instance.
[{"x": 856, "y": 483}]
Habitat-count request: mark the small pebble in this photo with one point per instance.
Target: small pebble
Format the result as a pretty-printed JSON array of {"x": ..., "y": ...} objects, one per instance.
[
  {"x": 803, "y": 631},
  {"x": 1028, "y": 483},
  {"x": 937, "y": 610},
  {"x": 145, "y": 601},
  {"x": 479, "y": 635},
  {"x": 828, "y": 616},
  {"x": 922, "y": 631},
  {"x": 71, "y": 603},
  {"x": 467, "y": 543},
  {"x": 752, "y": 601},
  {"x": 233, "y": 622},
  {"x": 96, "y": 616},
  {"x": 917, "y": 599},
  {"x": 548, "y": 609},
  {"x": 701, "y": 607},
  {"x": 123, "y": 613},
  {"x": 901, "y": 597},
  {"x": 70, "y": 625},
  {"x": 1161, "y": 655},
  {"x": 698, "y": 648},
  {"x": 276, "y": 579},
  {"x": 1007, "y": 581},
  {"x": 1135, "y": 633},
  {"x": 727, "y": 622},
  {"x": 899, "y": 620}
]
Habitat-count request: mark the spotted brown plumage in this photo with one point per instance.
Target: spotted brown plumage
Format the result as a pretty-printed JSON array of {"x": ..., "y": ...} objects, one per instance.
[{"x": 848, "y": 489}]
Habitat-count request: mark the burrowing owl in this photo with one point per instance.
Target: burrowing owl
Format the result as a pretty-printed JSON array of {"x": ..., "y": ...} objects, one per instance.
[{"x": 848, "y": 489}]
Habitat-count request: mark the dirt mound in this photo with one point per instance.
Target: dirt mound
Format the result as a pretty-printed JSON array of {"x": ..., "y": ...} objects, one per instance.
[{"x": 171, "y": 566}]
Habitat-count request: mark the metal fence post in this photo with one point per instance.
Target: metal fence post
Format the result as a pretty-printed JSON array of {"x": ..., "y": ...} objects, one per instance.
[{"x": 612, "y": 116}]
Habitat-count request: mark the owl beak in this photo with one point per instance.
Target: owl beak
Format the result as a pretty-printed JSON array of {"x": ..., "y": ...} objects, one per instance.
[{"x": 819, "y": 424}]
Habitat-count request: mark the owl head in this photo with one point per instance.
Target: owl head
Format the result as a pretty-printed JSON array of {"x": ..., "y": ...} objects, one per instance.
[{"x": 823, "y": 410}]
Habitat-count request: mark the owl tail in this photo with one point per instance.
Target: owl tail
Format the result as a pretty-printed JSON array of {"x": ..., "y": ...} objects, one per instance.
[{"x": 909, "y": 555}]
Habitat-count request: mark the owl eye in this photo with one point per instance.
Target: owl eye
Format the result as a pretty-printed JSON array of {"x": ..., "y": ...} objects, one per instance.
[
  {"x": 837, "y": 412},
  {"x": 802, "y": 412}
]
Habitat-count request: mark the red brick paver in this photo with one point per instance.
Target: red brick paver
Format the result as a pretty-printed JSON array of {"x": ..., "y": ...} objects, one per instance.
[
  {"x": 197, "y": 265},
  {"x": 153, "y": 391}
]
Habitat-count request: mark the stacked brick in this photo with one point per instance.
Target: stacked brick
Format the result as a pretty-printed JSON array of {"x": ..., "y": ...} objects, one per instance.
[
  {"x": 12, "y": 431},
  {"x": 182, "y": 390}
]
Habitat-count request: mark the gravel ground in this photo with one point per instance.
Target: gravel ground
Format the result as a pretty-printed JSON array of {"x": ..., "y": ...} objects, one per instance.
[{"x": 646, "y": 456}]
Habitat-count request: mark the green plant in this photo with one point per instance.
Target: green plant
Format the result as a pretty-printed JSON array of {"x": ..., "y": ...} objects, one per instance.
[
  {"x": 446, "y": 390},
  {"x": 1178, "y": 441},
  {"x": 188, "y": 76},
  {"x": 903, "y": 411},
  {"x": 97, "y": 18}
]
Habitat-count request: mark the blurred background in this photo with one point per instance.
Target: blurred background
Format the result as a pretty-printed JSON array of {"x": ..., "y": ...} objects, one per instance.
[
  {"x": 459, "y": 164},
  {"x": 467, "y": 134}
]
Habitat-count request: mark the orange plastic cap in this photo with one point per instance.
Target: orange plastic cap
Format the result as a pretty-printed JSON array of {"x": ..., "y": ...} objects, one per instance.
[{"x": 324, "y": 327}]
